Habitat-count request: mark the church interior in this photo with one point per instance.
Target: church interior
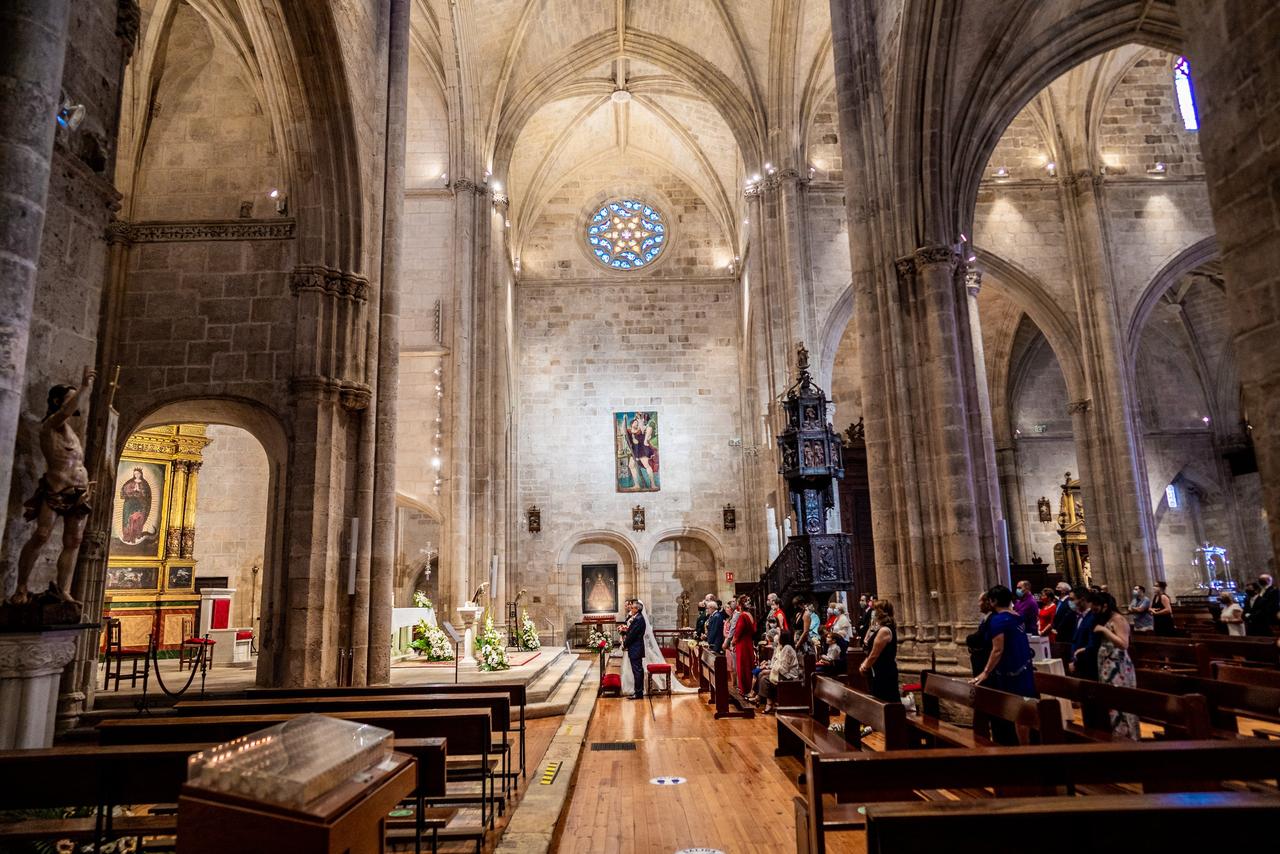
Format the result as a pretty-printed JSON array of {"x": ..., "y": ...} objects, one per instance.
[{"x": 438, "y": 375}]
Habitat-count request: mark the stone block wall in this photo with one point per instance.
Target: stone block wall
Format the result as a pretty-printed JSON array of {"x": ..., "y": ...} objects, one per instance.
[
  {"x": 587, "y": 351},
  {"x": 73, "y": 258},
  {"x": 209, "y": 147},
  {"x": 207, "y": 318},
  {"x": 1141, "y": 124},
  {"x": 231, "y": 516}
]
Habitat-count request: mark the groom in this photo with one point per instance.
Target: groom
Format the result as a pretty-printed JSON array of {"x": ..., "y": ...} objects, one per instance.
[{"x": 633, "y": 643}]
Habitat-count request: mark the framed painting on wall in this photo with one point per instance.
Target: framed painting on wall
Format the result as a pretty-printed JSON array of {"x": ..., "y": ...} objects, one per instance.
[
  {"x": 133, "y": 577},
  {"x": 180, "y": 578},
  {"x": 599, "y": 588},
  {"x": 636, "y": 451},
  {"x": 137, "y": 517}
]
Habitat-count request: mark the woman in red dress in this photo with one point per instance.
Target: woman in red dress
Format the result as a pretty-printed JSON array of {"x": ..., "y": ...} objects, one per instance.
[{"x": 744, "y": 650}]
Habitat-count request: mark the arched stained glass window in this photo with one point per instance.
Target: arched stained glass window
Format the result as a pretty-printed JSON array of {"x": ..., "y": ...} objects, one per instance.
[
  {"x": 626, "y": 234},
  {"x": 1186, "y": 94}
]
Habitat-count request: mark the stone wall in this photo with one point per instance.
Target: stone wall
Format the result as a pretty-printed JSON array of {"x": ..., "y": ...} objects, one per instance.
[
  {"x": 73, "y": 259},
  {"x": 586, "y": 352},
  {"x": 231, "y": 516}
]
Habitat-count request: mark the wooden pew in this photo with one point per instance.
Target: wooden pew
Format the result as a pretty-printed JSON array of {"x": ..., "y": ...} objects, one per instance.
[
  {"x": 713, "y": 676},
  {"x": 1227, "y": 700},
  {"x": 963, "y": 827},
  {"x": 1042, "y": 771},
  {"x": 498, "y": 703},
  {"x": 1197, "y": 654},
  {"x": 104, "y": 777},
  {"x": 469, "y": 732},
  {"x": 517, "y": 691},
  {"x": 1226, "y": 671},
  {"x": 798, "y": 732},
  {"x": 1185, "y": 717},
  {"x": 1031, "y": 719}
]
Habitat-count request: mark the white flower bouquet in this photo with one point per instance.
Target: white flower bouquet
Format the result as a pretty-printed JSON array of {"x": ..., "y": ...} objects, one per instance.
[{"x": 491, "y": 652}]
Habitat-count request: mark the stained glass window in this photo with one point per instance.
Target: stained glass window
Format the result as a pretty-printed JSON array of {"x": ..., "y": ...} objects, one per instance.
[
  {"x": 626, "y": 234},
  {"x": 1186, "y": 94}
]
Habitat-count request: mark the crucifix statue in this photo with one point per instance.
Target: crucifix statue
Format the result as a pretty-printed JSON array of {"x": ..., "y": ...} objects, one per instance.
[{"x": 63, "y": 491}]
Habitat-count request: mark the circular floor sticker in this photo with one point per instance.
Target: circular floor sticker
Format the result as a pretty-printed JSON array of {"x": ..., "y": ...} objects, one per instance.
[{"x": 668, "y": 781}]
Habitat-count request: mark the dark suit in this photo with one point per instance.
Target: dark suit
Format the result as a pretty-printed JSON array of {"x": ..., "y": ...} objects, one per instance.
[
  {"x": 1065, "y": 619},
  {"x": 715, "y": 630},
  {"x": 633, "y": 643},
  {"x": 1262, "y": 615}
]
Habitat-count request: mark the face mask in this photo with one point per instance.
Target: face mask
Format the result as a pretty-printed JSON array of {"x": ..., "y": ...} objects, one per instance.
[
  {"x": 831, "y": 611},
  {"x": 1020, "y": 592}
]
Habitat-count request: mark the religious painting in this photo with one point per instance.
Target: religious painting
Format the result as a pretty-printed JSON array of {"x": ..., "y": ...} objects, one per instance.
[
  {"x": 636, "y": 451},
  {"x": 133, "y": 577},
  {"x": 180, "y": 578},
  {"x": 600, "y": 588},
  {"x": 136, "y": 518}
]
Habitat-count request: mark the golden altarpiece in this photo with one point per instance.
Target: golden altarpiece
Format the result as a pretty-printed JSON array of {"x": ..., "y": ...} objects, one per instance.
[
  {"x": 1071, "y": 556},
  {"x": 151, "y": 567}
]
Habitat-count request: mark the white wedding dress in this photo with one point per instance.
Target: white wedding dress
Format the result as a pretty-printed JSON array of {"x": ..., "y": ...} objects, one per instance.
[{"x": 652, "y": 655}]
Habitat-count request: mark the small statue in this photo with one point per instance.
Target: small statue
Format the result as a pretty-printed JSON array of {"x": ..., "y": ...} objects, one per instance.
[
  {"x": 63, "y": 491},
  {"x": 480, "y": 591},
  {"x": 682, "y": 609}
]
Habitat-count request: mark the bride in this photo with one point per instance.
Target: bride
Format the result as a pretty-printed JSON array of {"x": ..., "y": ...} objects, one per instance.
[{"x": 652, "y": 655}]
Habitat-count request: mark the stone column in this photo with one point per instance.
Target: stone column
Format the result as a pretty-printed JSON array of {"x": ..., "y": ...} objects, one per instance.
[
  {"x": 1122, "y": 545},
  {"x": 1231, "y": 47},
  {"x": 33, "y": 43},
  {"x": 30, "y": 672},
  {"x": 999, "y": 573}
]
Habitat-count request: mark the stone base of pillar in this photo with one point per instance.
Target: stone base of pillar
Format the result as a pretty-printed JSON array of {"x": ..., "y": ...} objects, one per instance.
[{"x": 31, "y": 666}]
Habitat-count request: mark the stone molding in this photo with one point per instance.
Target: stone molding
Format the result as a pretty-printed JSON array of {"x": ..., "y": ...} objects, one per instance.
[
  {"x": 328, "y": 280},
  {"x": 119, "y": 231},
  {"x": 772, "y": 182},
  {"x": 352, "y": 396},
  {"x": 972, "y": 281},
  {"x": 27, "y": 655},
  {"x": 1079, "y": 406}
]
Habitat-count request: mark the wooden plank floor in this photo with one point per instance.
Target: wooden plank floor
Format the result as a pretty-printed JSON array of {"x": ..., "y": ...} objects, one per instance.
[{"x": 738, "y": 798}]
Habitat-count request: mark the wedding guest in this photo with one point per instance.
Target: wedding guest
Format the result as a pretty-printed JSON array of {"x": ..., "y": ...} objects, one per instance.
[
  {"x": 881, "y": 664},
  {"x": 784, "y": 666},
  {"x": 864, "y": 618},
  {"x": 1065, "y": 616},
  {"x": 715, "y": 627},
  {"x": 1232, "y": 614},
  {"x": 1024, "y": 604},
  {"x": 775, "y": 611},
  {"x": 843, "y": 626},
  {"x": 832, "y": 660},
  {"x": 978, "y": 642},
  {"x": 1140, "y": 610},
  {"x": 1084, "y": 643},
  {"x": 744, "y": 652},
  {"x": 1162, "y": 611},
  {"x": 1048, "y": 607},
  {"x": 813, "y": 627},
  {"x": 1115, "y": 667},
  {"x": 1008, "y": 667},
  {"x": 1266, "y": 610}
]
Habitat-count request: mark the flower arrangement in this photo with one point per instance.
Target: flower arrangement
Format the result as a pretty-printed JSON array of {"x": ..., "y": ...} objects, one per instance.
[
  {"x": 420, "y": 600},
  {"x": 491, "y": 652},
  {"x": 527, "y": 635},
  {"x": 432, "y": 642},
  {"x": 599, "y": 640}
]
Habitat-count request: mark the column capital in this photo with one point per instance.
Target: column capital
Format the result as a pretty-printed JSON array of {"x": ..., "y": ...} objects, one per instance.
[
  {"x": 774, "y": 180},
  {"x": 1079, "y": 406},
  {"x": 927, "y": 256},
  {"x": 972, "y": 281}
]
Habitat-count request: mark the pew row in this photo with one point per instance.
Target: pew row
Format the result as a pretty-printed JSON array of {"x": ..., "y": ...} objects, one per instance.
[
  {"x": 1042, "y": 772},
  {"x": 998, "y": 717},
  {"x": 1182, "y": 717}
]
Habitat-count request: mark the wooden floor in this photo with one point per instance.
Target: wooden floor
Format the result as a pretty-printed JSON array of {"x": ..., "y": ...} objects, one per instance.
[{"x": 737, "y": 798}]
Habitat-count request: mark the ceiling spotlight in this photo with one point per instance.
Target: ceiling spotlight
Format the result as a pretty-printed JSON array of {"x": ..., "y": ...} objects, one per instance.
[
  {"x": 1205, "y": 419},
  {"x": 1002, "y": 173},
  {"x": 436, "y": 462},
  {"x": 971, "y": 259},
  {"x": 755, "y": 178},
  {"x": 1051, "y": 168},
  {"x": 70, "y": 115},
  {"x": 1157, "y": 169}
]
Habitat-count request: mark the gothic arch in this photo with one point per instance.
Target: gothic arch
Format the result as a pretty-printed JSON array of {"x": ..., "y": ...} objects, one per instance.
[
  {"x": 1198, "y": 253},
  {"x": 833, "y": 330},
  {"x": 619, "y": 542}
]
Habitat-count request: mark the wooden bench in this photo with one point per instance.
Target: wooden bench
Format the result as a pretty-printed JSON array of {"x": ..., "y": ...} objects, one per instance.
[
  {"x": 1042, "y": 771},
  {"x": 964, "y": 827},
  {"x": 1227, "y": 700},
  {"x": 796, "y": 732},
  {"x": 1195, "y": 655},
  {"x": 516, "y": 690},
  {"x": 498, "y": 703},
  {"x": 1226, "y": 671},
  {"x": 713, "y": 676},
  {"x": 1184, "y": 717},
  {"x": 1027, "y": 719},
  {"x": 469, "y": 733}
]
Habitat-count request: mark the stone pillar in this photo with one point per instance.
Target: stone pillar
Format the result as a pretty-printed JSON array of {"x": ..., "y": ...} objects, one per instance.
[
  {"x": 999, "y": 573},
  {"x": 1231, "y": 47},
  {"x": 383, "y": 561},
  {"x": 33, "y": 43},
  {"x": 1122, "y": 545},
  {"x": 30, "y": 672}
]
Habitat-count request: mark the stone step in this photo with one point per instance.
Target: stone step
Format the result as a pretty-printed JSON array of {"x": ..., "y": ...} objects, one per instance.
[
  {"x": 548, "y": 679},
  {"x": 566, "y": 692}
]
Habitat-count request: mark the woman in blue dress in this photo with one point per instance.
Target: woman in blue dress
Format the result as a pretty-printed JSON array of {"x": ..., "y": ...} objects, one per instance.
[{"x": 1009, "y": 666}]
